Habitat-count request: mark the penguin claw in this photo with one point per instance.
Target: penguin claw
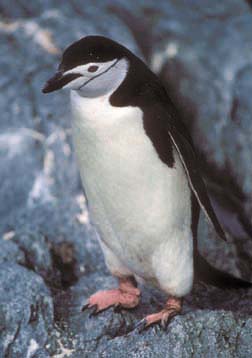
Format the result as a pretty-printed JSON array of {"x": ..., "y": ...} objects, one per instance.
[
  {"x": 118, "y": 308},
  {"x": 162, "y": 318},
  {"x": 164, "y": 324},
  {"x": 141, "y": 325},
  {"x": 126, "y": 296},
  {"x": 85, "y": 306},
  {"x": 94, "y": 311}
]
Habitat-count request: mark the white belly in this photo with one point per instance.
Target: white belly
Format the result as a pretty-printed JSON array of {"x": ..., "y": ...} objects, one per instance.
[{"x": 140, "y": 206}]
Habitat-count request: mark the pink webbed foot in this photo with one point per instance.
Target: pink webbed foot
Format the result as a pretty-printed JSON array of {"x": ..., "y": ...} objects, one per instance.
[
  {"x": 172, "y": 308},
  {"x": 126, "y": 296}
]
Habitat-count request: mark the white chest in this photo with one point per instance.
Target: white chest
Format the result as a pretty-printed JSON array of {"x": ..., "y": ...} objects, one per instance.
[{"x": 136, "y": 201}]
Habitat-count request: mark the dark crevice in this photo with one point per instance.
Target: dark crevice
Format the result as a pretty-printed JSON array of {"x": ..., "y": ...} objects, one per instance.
[
  {"x": 9, "y": 347},
  {"x": 234, "y": 109},
  {"x": 28, "y": 262},
  {"x": 249, "y": 2},
  {"x": 62, "y": 307},
  {"x": 64, "y": 261},
  {"x": 62, "y": 274},
  {"x": 59, "y": 279},
  {"x": 34, "y": 310},
  {"x": 237, "y": 338},
  {"x": 247, "y": 225},
  {"x": 122, "y": 331},
  {"x": 50, "y": 278}
]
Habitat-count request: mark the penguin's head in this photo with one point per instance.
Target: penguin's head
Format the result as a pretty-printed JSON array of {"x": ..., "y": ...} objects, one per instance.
[{"x": 93, "y": 66}]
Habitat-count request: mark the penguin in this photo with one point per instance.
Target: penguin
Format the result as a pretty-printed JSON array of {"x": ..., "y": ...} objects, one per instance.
[{"x": 140, "y": 175}]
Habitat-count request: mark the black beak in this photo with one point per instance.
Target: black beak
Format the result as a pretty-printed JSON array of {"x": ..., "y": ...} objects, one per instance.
[{"x": 58, "y": 81}]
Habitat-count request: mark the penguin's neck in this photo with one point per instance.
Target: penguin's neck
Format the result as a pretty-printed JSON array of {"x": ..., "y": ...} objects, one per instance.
[
  {"x": 87, "y": 110},
  {"x": 105, "y": 136},
  {"x": 98, "y": 113}
]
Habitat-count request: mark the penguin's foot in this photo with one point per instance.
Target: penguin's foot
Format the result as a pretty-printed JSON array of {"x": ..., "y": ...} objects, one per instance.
[
  {"x": 172, "y": 308},
  {"x": 126, "y": 296}
]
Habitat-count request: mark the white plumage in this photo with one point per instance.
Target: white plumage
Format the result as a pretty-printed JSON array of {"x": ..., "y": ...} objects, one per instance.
[{"x": 140, "y": 207}]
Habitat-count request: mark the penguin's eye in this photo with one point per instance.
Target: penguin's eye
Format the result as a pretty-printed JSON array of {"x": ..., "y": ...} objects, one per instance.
[{"x": 92, "y": 68}]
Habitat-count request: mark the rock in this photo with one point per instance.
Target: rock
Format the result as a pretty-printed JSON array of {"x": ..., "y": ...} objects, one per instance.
[
  {"x": 26, "y": 311},
  {"x": 56, "y": 244},
  {"x": 11, "y": 253},
  {"x": 186, "y": 337},
  {"x": 36, "y": 250},
  {"x": 212, "y": 324}
]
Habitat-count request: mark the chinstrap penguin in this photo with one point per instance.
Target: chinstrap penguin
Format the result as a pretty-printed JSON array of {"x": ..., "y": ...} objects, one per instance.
[{"x": 140, "y": 176}]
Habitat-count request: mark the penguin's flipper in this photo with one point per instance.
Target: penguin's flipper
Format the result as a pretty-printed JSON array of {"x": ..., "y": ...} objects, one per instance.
[
  {"x": 189, "y": 160},
  {"x": 206, "y": 273}
]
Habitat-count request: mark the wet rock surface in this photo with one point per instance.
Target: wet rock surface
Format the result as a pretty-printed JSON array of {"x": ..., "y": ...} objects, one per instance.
[{"x": 50, "y": 259}]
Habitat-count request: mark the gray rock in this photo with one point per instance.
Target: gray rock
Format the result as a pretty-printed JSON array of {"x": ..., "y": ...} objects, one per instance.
[
  {"x": 211, "y": 324},
  {"x": 26, "y": 311},
  {"x": 11, "y": 253},
  {"x": 36, "y": 251}
]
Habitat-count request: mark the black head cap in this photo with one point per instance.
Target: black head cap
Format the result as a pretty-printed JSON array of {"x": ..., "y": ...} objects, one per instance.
[
  {"x": 91, "y": 49},
  {"x": 95, "y": 49}
]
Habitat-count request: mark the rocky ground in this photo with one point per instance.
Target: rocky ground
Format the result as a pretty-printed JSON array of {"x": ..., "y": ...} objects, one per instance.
[{"x": 49, "y": 258}]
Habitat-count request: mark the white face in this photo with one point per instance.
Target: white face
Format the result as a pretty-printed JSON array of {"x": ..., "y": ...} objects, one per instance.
[{"x": 98, "y": 78}]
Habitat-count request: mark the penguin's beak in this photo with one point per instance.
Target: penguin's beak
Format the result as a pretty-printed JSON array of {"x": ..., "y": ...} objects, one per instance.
[{"x": 58, "y": 81}]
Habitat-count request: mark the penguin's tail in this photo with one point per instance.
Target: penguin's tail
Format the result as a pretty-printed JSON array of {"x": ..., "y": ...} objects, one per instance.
[{"x": 206, "y": 273}]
